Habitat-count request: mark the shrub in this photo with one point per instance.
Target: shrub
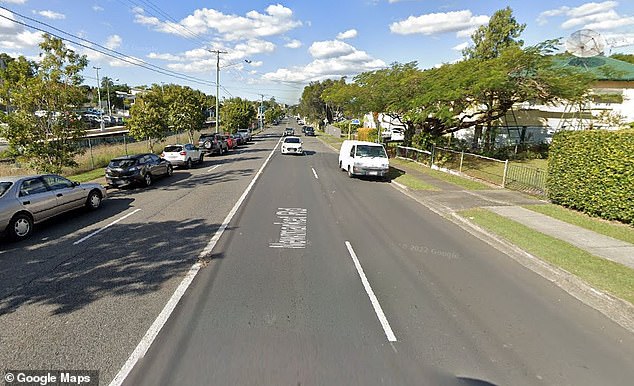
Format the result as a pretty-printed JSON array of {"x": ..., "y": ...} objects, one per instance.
[
  {"x": 366, "y": 134},
  {"x": 593, "y": 171}
]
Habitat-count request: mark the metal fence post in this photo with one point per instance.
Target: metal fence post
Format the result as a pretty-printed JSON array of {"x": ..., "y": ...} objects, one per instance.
[
  {"x": 92, "y": 159},
  {"x": 506, "y": 168},
  {"x": 461, "y": 159}
]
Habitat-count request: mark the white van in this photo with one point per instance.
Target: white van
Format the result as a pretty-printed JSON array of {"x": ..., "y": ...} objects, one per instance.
[{"x": 360, "y": 158}]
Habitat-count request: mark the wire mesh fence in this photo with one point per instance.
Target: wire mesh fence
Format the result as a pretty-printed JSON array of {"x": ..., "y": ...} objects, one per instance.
[{"x": 495, "y": 171}]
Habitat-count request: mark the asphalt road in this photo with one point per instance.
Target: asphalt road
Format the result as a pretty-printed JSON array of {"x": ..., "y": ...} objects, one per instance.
[
  {"x": 72, "y": 304},
  {"x": 322, "y": 279}
]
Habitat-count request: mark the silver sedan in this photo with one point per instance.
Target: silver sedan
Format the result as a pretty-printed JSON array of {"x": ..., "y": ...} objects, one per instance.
[{"x": 28, "y": 200}]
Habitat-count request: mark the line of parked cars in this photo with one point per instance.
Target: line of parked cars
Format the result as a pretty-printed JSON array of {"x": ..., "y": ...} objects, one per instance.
[{"x": 29, "y": 200}]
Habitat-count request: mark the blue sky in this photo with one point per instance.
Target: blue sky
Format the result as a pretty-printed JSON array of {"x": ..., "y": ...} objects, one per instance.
[{"x": 275, "y": 48}]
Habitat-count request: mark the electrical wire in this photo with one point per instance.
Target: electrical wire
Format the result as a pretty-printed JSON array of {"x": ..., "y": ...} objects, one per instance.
[{"x": 121, "y": 56}]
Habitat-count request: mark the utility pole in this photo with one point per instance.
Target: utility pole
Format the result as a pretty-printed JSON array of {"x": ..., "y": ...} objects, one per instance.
[
  {"x": 99, "y": 96},
  {"x": 261, "y": 113},
  {"x": 108, "y": 91},
  {"x": 218, "y": 52}
]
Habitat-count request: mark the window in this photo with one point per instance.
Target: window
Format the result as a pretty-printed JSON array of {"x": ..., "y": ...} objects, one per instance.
[
  {"x": 371, "y": 151},
  {"x": 32, "y": 186},
  {"x": 4, "y": 186},
  {"x": 57, "y": 182}
]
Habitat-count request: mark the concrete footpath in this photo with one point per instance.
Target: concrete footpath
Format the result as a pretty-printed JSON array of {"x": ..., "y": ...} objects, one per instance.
[{"x": 450, "y": 198}]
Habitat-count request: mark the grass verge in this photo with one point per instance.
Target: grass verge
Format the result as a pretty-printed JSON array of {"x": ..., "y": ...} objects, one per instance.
[
  {"x": 87, "y": 176},
  {"x": 603, "y": 274},
  {"x": 330, "y": 140},
  {"x": 462, "y": 182},
  {"x": 414, "y": 183},
  {"x": 618, "y": 231}
]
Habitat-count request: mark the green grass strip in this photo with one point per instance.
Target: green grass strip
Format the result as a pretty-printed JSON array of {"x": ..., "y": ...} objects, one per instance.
[
  {"x": 330, "y": 140},
  {"x": 618, "y": 231},
  {"x": 88, "y": 176},
  {"x": 462, "y": 182},
  {"x": 414, "y": 183},
  {"x": 600, "y": 273}
]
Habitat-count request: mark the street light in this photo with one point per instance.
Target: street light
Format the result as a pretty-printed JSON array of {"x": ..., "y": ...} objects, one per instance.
[{"x": 99, "y": 96}]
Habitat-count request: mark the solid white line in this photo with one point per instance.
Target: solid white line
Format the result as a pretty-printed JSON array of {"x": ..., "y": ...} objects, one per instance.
[
  {"x": 104, "y": 228},
  {"x": 212, "y": 169},
  {"x": 375, "y": 302},
  {"x": 315, "y": 173},
  {"x": 151, "y": 334}
]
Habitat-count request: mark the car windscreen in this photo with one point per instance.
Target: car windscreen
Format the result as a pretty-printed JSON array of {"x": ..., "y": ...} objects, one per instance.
[
  {"x": 370, "y": 151},
  {"x": 172, "y": 149},
  {"x": 123, "y": 163},
  {"x": 4, "y": 186},
  {"x": 292, "y": 140}
]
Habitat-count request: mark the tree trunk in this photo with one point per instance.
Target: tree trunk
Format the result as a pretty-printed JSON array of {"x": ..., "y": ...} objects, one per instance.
[{"x": 477, "y": 135}]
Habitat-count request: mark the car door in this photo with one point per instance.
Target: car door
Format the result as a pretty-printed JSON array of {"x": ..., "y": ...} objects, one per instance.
[
  {"x": 69, "y": 196},
  {"x": 159, "y": 166},
  {"x": 35, "y": 197}
]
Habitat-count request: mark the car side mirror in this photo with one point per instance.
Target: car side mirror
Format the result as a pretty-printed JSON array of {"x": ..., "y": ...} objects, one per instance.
[{"x": 76, "y": 183}]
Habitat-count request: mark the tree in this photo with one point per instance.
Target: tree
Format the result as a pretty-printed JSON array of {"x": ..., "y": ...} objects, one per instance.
[
  {"x": 500, "y": 33},
  {"x": 186, "y": 109},
  {"x": 43, "y": 130},
  {"x": 239, "y": 114},
  {"x": 624, "y": 57},
  {"x": 148, "y": 117}
]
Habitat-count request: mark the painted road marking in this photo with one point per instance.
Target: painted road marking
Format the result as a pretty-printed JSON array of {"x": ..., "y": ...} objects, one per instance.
[
  {"x": 151, "y": 334},
  {"x": 315, "y": 173},
  {"x": 104, "y": 228},
  {"x": 375, "y": 302},
  {"x": 292, "y": 228},
  {"x": 212, "y": 169}
]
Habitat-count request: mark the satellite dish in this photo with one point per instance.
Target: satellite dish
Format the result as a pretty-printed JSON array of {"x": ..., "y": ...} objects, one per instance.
[{"x": 585, "y": 43}]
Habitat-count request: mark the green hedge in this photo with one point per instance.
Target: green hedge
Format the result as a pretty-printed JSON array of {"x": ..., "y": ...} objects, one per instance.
[{"x": 593, "y": 171}]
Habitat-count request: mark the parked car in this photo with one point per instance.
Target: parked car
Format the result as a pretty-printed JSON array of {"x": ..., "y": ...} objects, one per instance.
[
  {"x": 309, "y": 131},
  {"x": 183, "y": 155},
  {"x": 231, "y": 143},
  {"x": 237, "y": 139},
  {"x": 360, "y": 158},
  {"x": 138, "y": 168},
  {"x": 292, "y": 145},
  {"x": 246, "y": 135},
  {"x": 214, "y": 143},
  {"x": 28, "y": 200},
  {"x": 289, "y": 131}
]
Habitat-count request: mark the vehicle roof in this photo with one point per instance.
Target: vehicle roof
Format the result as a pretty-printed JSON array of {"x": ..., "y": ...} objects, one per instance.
[
  {"x": 131, "y": 156},
  {"x": 17, "y": 178},
  {"x": 355, "y": 142},
  {"x": 292, "y": 136}
]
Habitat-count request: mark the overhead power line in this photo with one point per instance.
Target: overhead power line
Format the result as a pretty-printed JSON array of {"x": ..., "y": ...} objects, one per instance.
[{"x": 104, "y": 50}]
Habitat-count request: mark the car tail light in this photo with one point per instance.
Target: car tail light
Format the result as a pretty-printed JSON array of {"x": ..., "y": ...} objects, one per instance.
[
  {"x": 183, "y": 153},
  {"x": 162, "y": 155}
]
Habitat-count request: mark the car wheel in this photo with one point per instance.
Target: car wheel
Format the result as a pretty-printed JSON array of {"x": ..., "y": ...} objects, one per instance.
[
  {"x": 20, "y": 226},
  {"x": 94, "y": 200},
  {"x": 170, "y": 170},
  {"x": 188, "y": 164},
  {"x": 350, "y": 172},
  {"x": 340, "y": 166},
  {"x": 147, "y": 179}
]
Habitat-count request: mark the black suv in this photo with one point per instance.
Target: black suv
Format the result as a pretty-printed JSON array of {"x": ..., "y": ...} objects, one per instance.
[
  {"x": 213, "y": 143},
  {"x": 138, "y": 168},
  {"x": 309, "y": 131}
]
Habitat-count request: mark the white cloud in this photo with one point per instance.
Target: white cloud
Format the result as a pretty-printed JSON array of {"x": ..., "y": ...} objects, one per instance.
[
  {"x": 600, "y": 16},
  {"x": 13, "y": 36},
  {"x": 333, "y": 59},
  {"x": 51, "y": 14},
  {"x": 276, "y": 20},
  {"x": 168, "y": 57},
  {"x": 97, "y": 8},
  {"x": 293, "y": 44},
  {"x": 330, "y": 49},
  {"x": 113, "y": 42},
  {"x": 461, "y": 22},
  {"x": 130, "y": 61},
  {"x": 349, "y": 34},
  {"x": 13, "y": 1},
  {"x": 460, "y": 46}
]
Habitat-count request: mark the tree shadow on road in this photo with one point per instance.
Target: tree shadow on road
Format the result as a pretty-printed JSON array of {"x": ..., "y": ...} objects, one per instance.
[{"x": 129, "y": 259}]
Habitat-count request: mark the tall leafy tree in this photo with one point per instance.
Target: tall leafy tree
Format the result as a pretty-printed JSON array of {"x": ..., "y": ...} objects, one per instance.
[
  {"x": 42, "y": 128},
  {"x": 238, "y": 113},
  {"x": 489, "y": 40},
  {"x": 149, "y": 117},
  {"x": 186, "y": 109}
]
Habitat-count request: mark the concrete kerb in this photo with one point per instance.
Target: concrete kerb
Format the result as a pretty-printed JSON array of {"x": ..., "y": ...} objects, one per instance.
[{"x": 618, "y": 310}]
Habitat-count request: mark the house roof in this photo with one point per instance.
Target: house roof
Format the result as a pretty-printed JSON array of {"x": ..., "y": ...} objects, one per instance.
[{"x": 602, "y": 67}]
